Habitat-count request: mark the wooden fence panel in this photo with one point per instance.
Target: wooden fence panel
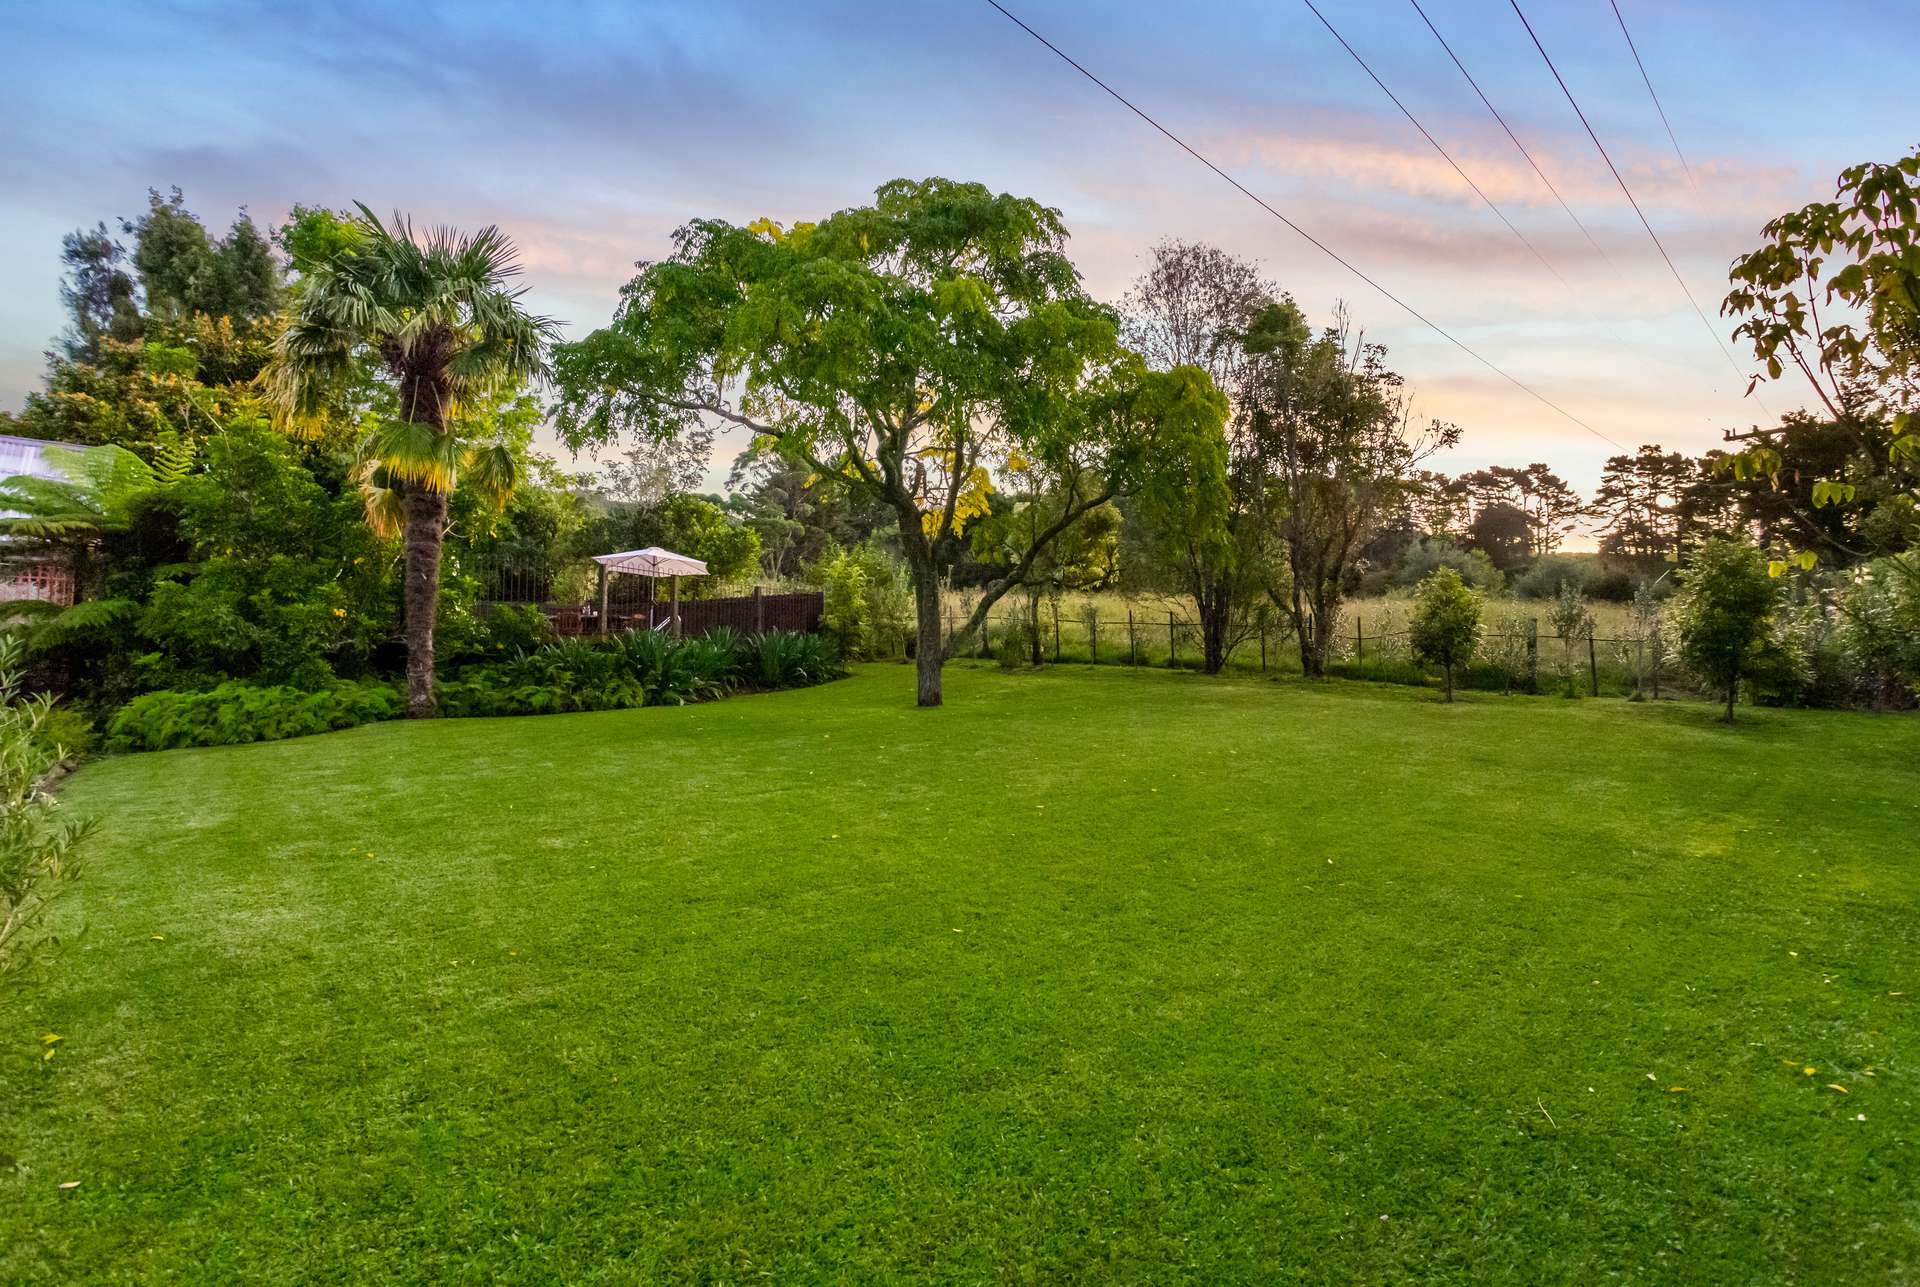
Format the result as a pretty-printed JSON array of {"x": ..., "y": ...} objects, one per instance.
[{"x": 748, "y": 614}]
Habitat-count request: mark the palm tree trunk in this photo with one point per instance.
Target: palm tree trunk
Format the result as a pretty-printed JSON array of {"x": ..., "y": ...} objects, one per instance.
[{"x": 426, "y": 528}]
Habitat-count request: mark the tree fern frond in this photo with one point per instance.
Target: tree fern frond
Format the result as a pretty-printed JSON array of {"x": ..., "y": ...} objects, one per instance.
[{"x": 76, "y": 623}]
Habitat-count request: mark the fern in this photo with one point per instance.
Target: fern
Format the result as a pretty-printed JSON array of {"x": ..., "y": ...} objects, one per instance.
[{"x": 173, "y": 462}]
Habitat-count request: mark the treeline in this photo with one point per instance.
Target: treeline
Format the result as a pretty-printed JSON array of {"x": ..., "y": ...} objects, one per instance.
[{"x": 312, "y": 447}]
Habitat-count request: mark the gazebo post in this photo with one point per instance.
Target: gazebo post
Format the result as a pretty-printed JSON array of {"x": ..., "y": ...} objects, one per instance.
[
  {"x": 603, "y": 598},
  {"x": 674, "y": 590}
]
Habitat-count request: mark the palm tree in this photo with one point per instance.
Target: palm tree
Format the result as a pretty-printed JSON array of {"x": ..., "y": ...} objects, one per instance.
[{"x": 439, "y": 315}]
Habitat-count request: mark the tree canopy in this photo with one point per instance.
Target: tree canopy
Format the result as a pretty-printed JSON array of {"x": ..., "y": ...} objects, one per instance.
[{"x": 911, "y": 347}]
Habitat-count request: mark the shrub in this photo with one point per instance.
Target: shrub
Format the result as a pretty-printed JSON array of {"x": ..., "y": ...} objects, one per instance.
[
  {"x": 1446, "y": 623},
  {"x": 844, "y": 613},
  {"x": 39, "y": 847},
  {"x": 1726, "y": 612},
  {"x": 235, "y": 712},
  {"x": 67, "y": 733},
  {"x": 1551, "y": 571},
  {"x": 1573, "y": 622},
  {"x": 710, "y": 664},
  {"x": 1429, "y": 554},
  {"x": 889, "y": 595},
  {"x": 536, "y": 685},
  {"x": 782, "y": 659},
  {"x": 868, "y": 605},
  {"x": 1878, "y": 632}
]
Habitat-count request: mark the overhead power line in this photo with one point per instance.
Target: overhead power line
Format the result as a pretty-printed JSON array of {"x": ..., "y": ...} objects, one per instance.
[
  {"x": 1648, "y": 80},
  {"x": 1510, "y": 134},
  {"x": 1652, "y": 235},
  {"x": 1444, "y": 154},
  {"x": 1312, "y": 240}
]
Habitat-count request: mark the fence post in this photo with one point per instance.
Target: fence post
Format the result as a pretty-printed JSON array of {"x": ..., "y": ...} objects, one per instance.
[
  {"x": 1093, "y": 636},
  {"x": 603, "y": 598},
  {"x": 1056, "y": 637},
  {"x": 1133, "y": 645},
  {"x": 1173, "y": 643},
  {"x": 1593, "y": 665},
  {"x": 759, "y": 612},
  {"x": 1359, "y": 641},
  {"x": 1533, "y": 654}
]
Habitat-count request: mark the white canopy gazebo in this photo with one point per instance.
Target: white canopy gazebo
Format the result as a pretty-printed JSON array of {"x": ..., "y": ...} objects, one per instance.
[{"x": 652, "y": 562}]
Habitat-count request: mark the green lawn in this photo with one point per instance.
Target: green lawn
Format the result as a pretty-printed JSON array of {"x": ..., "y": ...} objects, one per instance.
[{"x": 1096, "y": 973}]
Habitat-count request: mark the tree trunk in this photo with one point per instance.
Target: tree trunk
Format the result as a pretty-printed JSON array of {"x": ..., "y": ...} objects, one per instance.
[
  {"x": 929, "y": 644},
  {"x": 1215, "y": 605},
  {"x": 1314, "y": 633},
  {"x": 1033, "y": 628},
  {"x": 426, "y": 528},
  {"x": 1733, "y": 686},
  {"x": 1449, "y": 673}
]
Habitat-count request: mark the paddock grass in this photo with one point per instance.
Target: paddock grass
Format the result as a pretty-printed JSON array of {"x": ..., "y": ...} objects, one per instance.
[
  {"x": 1095, "y": 974},
  {"x": 1371, "y": 641}
]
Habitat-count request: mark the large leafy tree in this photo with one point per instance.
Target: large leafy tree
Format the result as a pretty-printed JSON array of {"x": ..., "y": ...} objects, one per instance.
[
  {"x": 184, "y": 271},
  {"x": 1548, "y": 504},
  {"x": 1857, "y": 257},
  {"x": 438, "y": 317},
  {"x": 1638, "y": 502},
  {"x": 1193, "y": 306},
  {"x": 1340, "y": 449},
  {"x": 909, "y": 347},
  {"x": 98, "y": 292}
]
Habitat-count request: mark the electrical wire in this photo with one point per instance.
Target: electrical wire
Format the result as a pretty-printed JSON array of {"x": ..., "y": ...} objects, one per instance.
[
  {"x": 1444, "y": 154},
  {"x": 1510, "y": 134},
  {"x": 1654, "y": 236},
  {"x": 1650, "y": 94},
  {"x": 1315, "y": 242}
]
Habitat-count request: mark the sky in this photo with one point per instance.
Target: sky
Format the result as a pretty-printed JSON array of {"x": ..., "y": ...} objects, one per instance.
[{"x": 588, "y": 132}]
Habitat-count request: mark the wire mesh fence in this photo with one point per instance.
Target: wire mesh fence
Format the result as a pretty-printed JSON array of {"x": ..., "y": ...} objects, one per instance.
[{"x": 1515, "y": 652}]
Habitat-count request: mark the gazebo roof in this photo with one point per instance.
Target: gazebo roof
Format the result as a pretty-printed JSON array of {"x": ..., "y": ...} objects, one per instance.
[{"x": 652, "y": 561}]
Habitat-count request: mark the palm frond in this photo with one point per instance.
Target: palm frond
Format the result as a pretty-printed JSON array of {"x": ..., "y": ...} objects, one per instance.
[
  {"x": 442, "y": 303},
  {"x": 385, "y": 506},
  {"x": 492, "y": 472},
  {"x": 414, "y": 454}
]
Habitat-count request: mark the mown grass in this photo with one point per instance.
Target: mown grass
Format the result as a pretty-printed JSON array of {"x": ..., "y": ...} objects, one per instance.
[{"x": 1095, "y": 974}]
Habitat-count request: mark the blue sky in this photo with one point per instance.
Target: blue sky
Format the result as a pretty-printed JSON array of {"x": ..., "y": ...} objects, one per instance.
[{"x": 589, "y": 131}]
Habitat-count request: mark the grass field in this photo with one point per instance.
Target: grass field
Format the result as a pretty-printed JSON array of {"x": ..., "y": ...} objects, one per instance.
[{"x": 1095, "y": 974}]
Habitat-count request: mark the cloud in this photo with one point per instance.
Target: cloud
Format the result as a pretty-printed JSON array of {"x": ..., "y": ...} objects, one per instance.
[{"x": 1383, "y": 154}]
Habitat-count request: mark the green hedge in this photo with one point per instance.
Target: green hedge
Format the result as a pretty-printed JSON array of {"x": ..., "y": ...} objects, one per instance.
[
  {"x": 637, "y": 669},
  {"x": 235, "y": 712}
]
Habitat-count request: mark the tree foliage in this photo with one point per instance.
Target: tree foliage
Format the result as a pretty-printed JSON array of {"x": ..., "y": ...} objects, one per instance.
[
  {"x": 1341, "y": 447},
  {"x": 1858, "y": 257},
  {"x": 1445, "y": 629},
  {"x": 909, "y": 347},
  {"x": 1726, "y": 611}
]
